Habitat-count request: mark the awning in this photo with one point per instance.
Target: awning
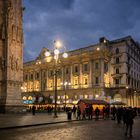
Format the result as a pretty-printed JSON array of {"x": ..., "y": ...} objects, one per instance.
[{"x": 93, "y": 102}]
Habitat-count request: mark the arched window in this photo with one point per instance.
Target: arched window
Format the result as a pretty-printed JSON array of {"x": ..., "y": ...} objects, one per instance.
[
  {"x": 117, "y": 51},
  {"x": 117, "y": 71},
  {"x": 117, "y": 60}
]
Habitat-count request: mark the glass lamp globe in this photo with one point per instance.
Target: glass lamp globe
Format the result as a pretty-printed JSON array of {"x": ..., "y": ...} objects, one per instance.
[
  {"x": 65, "y": 55},
  {"x": 47, "y": 53},
  {"x": 56, "y": 51}
]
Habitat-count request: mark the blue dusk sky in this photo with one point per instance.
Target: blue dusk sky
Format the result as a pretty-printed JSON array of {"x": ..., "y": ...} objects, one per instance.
[{"x": 77, "y": 23}]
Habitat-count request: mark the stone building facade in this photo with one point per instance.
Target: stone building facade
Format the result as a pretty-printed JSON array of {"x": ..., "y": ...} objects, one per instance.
[
  {"x": 108, "y": 70},
  {"x": 11, "y": 55}
]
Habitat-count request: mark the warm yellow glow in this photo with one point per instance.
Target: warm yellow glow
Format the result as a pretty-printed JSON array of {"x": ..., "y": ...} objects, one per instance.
[
  {"x": 56, "y": 51},
  {"x": 86, "y": 96},
  {"x": 98, "y": 49},
  {"x": 48, "y": 59},
  {"x": 59, "y": 83},
  {"x": 50, "y": 84},
  {"x": 36, "y": 85},
  {"x": 96, "y": 96},
  {"x": 57, "y": 44},
  {"x": 65, "y": 55},
  {"x": 30, "y": 98},
  {"x": 106, "y": 80},
  {"x": 24, "y": 98},
  {"x": 75, "y": 81},
  {"x": 47, "y": 53}
]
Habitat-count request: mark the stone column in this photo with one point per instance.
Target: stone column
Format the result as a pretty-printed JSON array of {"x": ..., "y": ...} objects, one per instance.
[
  {"x": 102, "y": 73},
  {"x": 80, "y": 76},
  {"x": 90, "y": 73}
]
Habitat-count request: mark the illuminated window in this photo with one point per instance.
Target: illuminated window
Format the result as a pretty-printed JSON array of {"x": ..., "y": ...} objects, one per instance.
[
  {"x": 75, "y": 82},
  {"x": 24, "y": 98},
  {"x": 86, "y": 81},
  {"x": 86, "y": 96},
  {"x": 81, "y": 96}
]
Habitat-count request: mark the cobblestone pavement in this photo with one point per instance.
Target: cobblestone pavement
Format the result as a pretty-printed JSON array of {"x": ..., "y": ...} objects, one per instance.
[
  {"x": 81, "y": 130},
  {"x": 10, "y": 120}
]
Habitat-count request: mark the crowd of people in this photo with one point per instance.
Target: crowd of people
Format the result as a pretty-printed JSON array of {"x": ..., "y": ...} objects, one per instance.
[{"x": 123, "y": 115}]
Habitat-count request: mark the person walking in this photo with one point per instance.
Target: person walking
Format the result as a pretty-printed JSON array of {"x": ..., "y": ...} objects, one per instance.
[
  {"x": 97, "y": 113},
  {"x": 78, "y": 113},
  {"x": 90, "y": 112},
  {"x": 129, "y": 121},
  {"x": 33, "y": 110}
]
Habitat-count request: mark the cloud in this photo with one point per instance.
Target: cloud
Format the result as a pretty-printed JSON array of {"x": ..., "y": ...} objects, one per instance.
[{"x": 78, "y": 23}]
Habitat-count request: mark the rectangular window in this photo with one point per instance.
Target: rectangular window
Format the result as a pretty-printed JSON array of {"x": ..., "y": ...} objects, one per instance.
[
  {"x": 96, "y": 65},
  {"x": 75, "y": 82},
  {"x": 76, "y": 69},
  {"x": 86, "y": 81},
  {"x": 97, "y": 80},
  {"x": 37, "y": 75},
  {"x": 67, "y": 71},
  {"x": 117, "y": 71},
  {"x": 117, "y": 60},
  {"x": 85, "y": 67},
  {"x": 31, "y": 76},
  {"x": 26, "y": 77},
  {"x": 117, "y": 81}
]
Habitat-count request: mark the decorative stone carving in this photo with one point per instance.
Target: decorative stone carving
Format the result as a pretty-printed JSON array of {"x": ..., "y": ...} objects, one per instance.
[
  {"x": 3, "y": 31},
  {"x": 2, "y": 63},
  {"x": 14, "y": 63}
]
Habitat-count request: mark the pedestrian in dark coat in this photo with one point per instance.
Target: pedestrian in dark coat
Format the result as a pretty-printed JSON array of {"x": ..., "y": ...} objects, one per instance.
[
  {"x": 33, "y": 110},
  {"x": 130, "y": 114},
  {"x": 97, "y": 113}
]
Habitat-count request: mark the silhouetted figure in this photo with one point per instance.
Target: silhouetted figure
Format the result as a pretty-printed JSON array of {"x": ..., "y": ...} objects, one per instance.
[
  {"x": 78, "y": 113},
  {"x": 130, "y": 114},
  {"x": 33, "y": 110},
  {"x": 97, "y": 113},
  {"x": 74, "y": 110},
  {"x": 103, "y": 111},
  {"x": 90, "y": 112},
  {"x": 124, "y": 116},
  {"x": 84, "y": 114},
  {"x": 113, "y": 111},
  {"x": 119, "y": 114},
  {"x": 107, "y": 111}
]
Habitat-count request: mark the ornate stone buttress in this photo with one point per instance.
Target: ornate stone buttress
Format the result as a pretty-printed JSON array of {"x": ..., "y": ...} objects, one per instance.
[{"x": 11, "y": 55}]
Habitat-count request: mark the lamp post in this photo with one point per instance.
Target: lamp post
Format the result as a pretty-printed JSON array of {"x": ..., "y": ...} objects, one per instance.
[
  {"x": 56, "y": 56},
  {"x": 65, "y": 84}
]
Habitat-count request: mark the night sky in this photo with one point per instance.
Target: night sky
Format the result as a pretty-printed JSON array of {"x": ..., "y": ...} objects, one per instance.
[{"x": 77, "y": 23}]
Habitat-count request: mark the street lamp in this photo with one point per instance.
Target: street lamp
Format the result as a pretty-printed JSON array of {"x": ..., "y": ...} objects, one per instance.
[
  {"x": 65, "y": 84},
  {"x": 55, "y": 56}
]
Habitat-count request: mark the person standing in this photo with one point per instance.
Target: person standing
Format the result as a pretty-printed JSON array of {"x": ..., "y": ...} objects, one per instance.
[
  {"x": 97, "y": 113},
  {"x": 33, "y": 110}
]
